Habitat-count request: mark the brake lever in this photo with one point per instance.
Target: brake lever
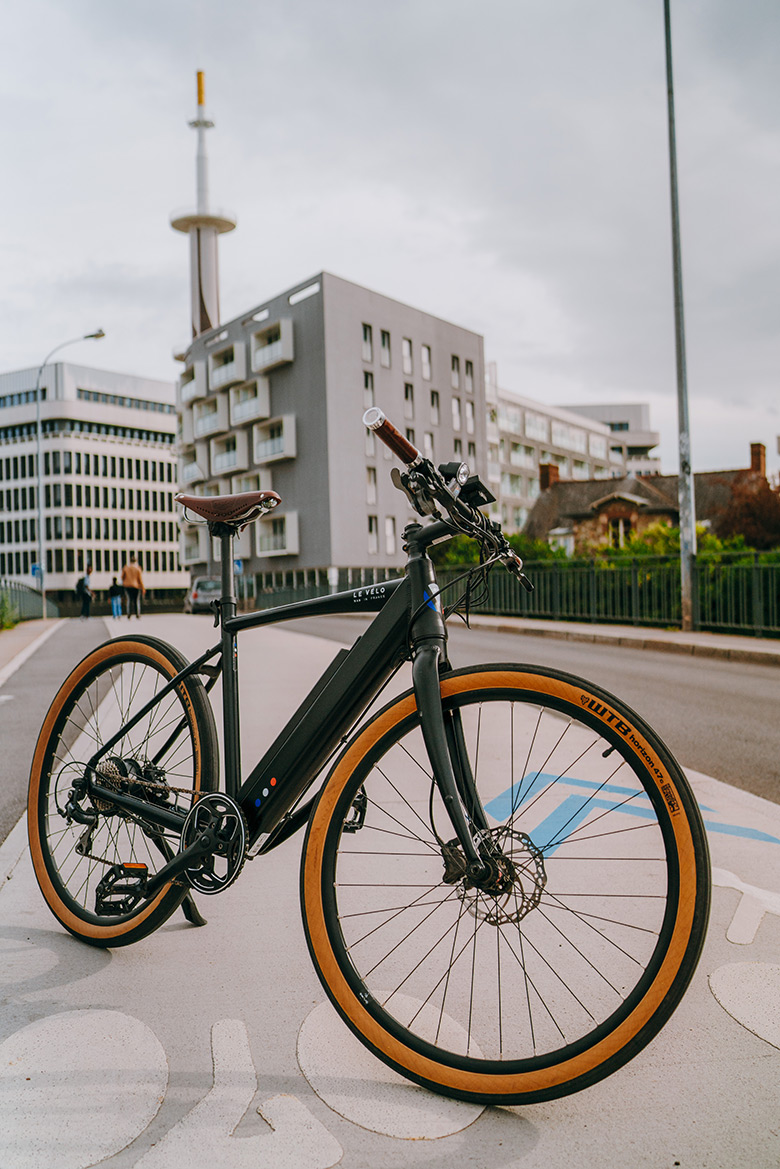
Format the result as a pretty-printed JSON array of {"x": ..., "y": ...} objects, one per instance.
[{"x": 512, "y": 563}]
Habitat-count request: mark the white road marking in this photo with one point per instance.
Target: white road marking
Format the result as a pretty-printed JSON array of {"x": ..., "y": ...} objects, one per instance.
[
  {"x": 753, "y": 905},
  {"x": 750, "y": 993},
  {"x": 6, "y": 697},
  {"x": 204, "y": 1135},
  {"x": 27, "y": 652},
  {"x": 360, "y": 1088},
  {"x": 77, "y": 1088}
]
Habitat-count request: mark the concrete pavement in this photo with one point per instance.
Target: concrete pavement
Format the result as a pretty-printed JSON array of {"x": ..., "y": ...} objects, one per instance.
[{"x": 216, "y": 1044}]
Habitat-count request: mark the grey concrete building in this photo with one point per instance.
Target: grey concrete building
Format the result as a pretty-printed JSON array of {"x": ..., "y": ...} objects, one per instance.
[
  {"x": 108, "y": 475},
  {"x": 275, "y": 399}
]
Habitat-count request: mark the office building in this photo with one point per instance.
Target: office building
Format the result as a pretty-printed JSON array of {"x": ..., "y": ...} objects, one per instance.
[{"x": 108, "y": 474}]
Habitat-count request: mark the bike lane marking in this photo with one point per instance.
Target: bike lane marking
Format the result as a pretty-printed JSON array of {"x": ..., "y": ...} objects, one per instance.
[
  {"x": 359, "y": 1087},
  {"x": 205, "y": 1135},
  {"x": 85, "y": 1083}
]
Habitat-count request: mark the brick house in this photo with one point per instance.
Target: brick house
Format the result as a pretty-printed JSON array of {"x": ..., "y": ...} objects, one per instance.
[{"x": 578, "y": 515}]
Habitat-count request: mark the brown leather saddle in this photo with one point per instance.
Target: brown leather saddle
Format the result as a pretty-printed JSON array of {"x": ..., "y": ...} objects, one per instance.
[{"x": 234, "y": 511}]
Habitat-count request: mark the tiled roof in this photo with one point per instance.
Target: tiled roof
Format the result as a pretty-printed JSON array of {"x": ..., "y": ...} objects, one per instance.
[{"x": 567, "y": 501}]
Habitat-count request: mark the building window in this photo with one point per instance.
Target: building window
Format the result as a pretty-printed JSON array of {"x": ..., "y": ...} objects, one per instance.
[
  {"x": 458, "y": 448},
  {"x": 536, "y": 426},
  {"x": 426, "y": 362},
  {"x": 456, "y": 413},
  {"x": 469, "y": 377},
  {"x": 406, "y": 354},
  {"x": 370, "y": 444},
  {"x": 384, "y": 353},
  {"x": 368, "y": 389},
  {"x": 368, "y": 343},
  {"x": 390, "y": 535},
  {"x": 470, "y": 417},
  {"x": 472, "y": 451},
  {"x": 410, "y": 436},
  {"x": 455, "y": 372},
  {"x": 435, "y": 407},
  {"x": 619, "y": 532},
  {"x": 408, "y": 400},
  {"x": 373, "y": 534},
  {"x": 428, "y": 446},
  {"x": 370, "y": 484}
]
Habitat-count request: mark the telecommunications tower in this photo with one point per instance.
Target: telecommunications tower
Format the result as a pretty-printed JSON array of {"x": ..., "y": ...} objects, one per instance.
[{"x": 203, "y": 226}]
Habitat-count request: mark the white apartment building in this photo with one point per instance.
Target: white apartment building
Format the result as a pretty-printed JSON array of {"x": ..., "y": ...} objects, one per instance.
[
  {"x": 523, "y": 435},
  {"x": 629, "y": 424},
  {"x": 108, "y": 474}
]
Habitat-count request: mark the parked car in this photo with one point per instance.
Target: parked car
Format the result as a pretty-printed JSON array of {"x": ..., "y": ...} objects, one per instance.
[{"x": 204, "y": 590}]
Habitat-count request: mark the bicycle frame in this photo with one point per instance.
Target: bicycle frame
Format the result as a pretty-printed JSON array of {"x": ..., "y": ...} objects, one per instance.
[{"x": 409, "y": 625}]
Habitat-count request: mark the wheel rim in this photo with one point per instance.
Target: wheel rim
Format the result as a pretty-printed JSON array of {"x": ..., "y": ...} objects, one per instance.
[
  {"x": 462, "y": 1026},
  {"x": 95, "y": 707}
]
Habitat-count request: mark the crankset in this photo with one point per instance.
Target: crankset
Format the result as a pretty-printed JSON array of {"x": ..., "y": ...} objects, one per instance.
[{"x": 217, "y": 823}]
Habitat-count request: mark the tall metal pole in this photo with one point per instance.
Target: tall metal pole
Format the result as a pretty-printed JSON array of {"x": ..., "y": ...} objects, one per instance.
[
  {"x": 685, "y": 489},
  {"x": 39, "y": 454}
]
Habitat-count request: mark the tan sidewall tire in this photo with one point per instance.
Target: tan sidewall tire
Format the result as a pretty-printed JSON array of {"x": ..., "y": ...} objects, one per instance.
[
  {"x": 547, "y": 1082},
  {"x": 168, "y": 899}
]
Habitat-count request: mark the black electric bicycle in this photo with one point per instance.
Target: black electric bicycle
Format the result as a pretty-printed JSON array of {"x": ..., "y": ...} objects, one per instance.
[{"x": 505, "y": 879}]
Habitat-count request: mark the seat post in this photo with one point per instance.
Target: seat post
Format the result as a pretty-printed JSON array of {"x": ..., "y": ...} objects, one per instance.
[{"x": 230, "y": 711}]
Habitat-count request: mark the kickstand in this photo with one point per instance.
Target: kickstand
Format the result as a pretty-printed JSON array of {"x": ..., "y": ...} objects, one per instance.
[{"x": 191, "y": 911}]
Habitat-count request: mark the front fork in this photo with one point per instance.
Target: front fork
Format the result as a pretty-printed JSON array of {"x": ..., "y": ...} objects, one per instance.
[{"x": 443, "y": 730}]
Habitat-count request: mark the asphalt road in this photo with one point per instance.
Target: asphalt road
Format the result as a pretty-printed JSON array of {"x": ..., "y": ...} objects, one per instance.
[
  {"x": 716, "y": 716},
  {"x": 24, "y": 700}
]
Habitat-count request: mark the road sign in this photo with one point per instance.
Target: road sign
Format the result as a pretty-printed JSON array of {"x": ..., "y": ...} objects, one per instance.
[
  {"x": 238, "y": 567},
  {"x": 36, "y": 570}
]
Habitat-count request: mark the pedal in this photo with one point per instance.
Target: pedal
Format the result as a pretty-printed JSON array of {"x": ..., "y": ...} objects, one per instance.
[{"x": 121, "y": 889}]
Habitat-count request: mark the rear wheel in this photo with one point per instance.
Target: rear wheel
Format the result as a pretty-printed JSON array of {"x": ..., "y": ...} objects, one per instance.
[
  {"x": 554, "y": 980},
  {"x": 168, "y": 756}
]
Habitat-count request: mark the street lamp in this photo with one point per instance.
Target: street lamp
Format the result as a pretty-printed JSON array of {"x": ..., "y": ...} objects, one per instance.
[{"x": 39, "y": 453}]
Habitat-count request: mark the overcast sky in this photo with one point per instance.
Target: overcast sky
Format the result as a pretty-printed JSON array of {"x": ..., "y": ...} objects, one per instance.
[{"x": 502, "y": 165}]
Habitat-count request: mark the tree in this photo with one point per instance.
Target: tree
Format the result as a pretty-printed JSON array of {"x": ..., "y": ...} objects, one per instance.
[{"x": 753, "y": 513}]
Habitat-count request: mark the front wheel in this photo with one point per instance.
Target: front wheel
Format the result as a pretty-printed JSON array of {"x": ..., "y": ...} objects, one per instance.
[{"x": 555, "y": 980}]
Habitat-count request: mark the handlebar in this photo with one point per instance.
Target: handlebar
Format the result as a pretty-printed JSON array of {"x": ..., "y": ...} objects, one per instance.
[
  {"x": 425, "y": 484},
  {"x": 376, "y": 420}
]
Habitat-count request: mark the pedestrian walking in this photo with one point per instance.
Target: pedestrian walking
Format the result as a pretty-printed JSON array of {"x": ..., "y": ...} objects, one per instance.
[
  {"x": 133, "y": 583},
  {"x": 115, "y": 593},
  {"x": 84, "y": 592}
]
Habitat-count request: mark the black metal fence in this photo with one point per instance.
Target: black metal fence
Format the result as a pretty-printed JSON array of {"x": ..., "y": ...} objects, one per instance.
[
  {"x": 737, "y": 593},
  {"x": 18, "y": 602},
  {"x": 732, "y": 594}
]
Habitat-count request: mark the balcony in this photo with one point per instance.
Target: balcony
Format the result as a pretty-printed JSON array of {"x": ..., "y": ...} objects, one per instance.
[
  {"x": 211, "y": 416},
  {"x": 227, "y": 366},
  {"x": 272, "y": 346},
  {"x": 275, "y": 440},
  {"x": 277, "y": 535},
  {"x": 229, "y": 454},
  {"x": 249, "y": 402},
  {"x": 259, "y": 481},
  {"x": 193, "y": 545},
  {"x": 192, "y": 383},
  {"x": 190, "y": 473}
]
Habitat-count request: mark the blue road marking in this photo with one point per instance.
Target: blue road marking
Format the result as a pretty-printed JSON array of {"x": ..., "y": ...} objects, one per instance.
[{"x": 574, "y": 809}]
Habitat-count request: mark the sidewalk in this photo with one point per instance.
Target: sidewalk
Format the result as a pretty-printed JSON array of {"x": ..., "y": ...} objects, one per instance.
[
  {"x": 734, "y": 647},
  {"x": 217, "y": 1045}
]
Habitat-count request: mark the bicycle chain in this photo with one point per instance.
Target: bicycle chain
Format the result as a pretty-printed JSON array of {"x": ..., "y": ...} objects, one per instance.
[{"x": 158, "y": 787}]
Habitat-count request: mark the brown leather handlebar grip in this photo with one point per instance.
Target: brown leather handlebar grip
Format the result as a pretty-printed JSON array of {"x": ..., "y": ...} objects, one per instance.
[{"x": 376, "y": 421}]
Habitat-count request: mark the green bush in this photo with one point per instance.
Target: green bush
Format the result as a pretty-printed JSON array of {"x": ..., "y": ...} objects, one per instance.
[{"x": 9, "y": 615}]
